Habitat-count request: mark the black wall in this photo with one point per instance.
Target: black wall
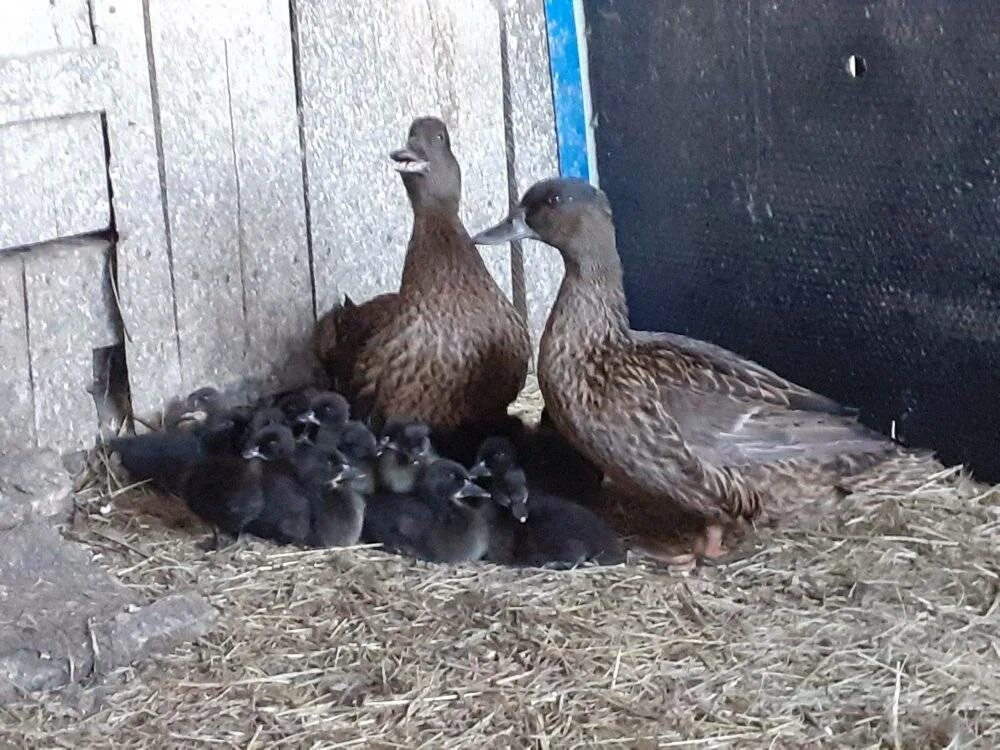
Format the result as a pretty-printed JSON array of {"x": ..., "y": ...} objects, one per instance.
[{"x": 842, "y": 229}]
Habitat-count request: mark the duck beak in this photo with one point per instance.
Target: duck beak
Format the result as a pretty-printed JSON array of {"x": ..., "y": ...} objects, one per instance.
[
  {"x": 514, "y": 227},
  {"x": 308, "y": 418},
  {"x": 471, "y": 489},
  {"x": 347, "y": 473},
  {"x": 409, "y": 161},
  {"x": 480, "y": 471},
  {"x": 251, "y": 453}
]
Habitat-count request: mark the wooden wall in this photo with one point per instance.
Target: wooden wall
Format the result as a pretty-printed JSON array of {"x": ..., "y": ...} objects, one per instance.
[{"x": 221, "y": 166}]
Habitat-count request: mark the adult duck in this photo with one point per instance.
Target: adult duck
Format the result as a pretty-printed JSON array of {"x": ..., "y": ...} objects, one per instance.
[
  {"x": 449, "y": 348},
  {"x": 667, "y": 416}
]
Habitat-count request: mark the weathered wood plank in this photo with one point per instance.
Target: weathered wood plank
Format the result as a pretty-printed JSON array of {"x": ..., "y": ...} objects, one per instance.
[
  {"x": 54, "y": 179},
  {"x": 196, "y": 132},
  {"x": 33, "y": 26},
  {"x": 70, "y": 313},
  {"x": 355, "y": 114},
  {"x": 271, "y": 212},
  {"x": 17, "y": 417},
  {"x": 532, "y": 135},
  {"x": 55, "y": 83},
  {"x": 145, "y": 283},
  {"x": 234, "y": 187}
]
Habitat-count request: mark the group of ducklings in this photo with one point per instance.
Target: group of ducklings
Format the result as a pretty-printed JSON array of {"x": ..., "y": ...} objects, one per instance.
[{"x": 296, "y": 469}]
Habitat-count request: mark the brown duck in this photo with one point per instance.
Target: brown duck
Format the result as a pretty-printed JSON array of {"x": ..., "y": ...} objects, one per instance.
[
  {"x": 449, "y": 348},
  {"x": 663, "y": 415}
]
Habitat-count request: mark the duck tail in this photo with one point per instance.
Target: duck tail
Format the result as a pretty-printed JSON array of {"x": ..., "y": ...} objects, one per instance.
[{"x": 898, "y": 470}]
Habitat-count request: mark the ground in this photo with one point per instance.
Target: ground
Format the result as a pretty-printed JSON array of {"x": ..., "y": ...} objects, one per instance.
[{"x": 882, "y": 631}]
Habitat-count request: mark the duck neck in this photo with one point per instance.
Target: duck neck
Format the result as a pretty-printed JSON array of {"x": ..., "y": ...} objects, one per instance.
[
  {"x": 590, "y": 309},
  {"x": 439, "y": 247}
]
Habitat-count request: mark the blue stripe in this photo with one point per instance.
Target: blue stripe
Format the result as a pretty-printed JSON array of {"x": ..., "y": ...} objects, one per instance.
[{"x": 567, "y": 89}]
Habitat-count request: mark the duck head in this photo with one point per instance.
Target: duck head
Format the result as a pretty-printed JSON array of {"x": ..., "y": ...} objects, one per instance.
[
  {"x": 202, "y": 403},
  {"x": 430, "y": 170},
  {"x": 410, "y": 440},
  {"x": 510, "y": 491},
  {"x": 271, "y": 443},
  {"x": 327, "y": 408},
  {"x": 495, "y": 455},
  {"x": 569, "y": 214},
  {"x": 449, "y": 480}
]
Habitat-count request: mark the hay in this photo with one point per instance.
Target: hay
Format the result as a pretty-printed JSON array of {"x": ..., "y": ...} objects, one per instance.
[{"x": 884, "y": 631}]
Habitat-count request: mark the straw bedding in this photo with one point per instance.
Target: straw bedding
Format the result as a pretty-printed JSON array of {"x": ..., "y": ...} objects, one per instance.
[{"x": 881, "y": 630}]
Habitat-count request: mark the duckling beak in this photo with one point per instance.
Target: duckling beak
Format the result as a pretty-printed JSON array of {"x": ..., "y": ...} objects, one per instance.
[
  {"x": 308, "y": 417},
  {"x": 251, "y": 453},
  {"x": 480, "y": 471},
  {"x": 196, "y": 415},
  {"x": 520, "y": 512},
  {"x": 347, "y": 473},
  {"x": 471, "y": 489},
  {"x": 409, "y": 161},
  {"x": 514, "y": 227}
]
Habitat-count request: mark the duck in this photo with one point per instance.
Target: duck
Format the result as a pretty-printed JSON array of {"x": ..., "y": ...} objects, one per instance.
[
  {"x": 227, "y": 489},
  {"x": 667, "y": 418},
  {"x": 337, "y": 497},
  {"x": 164, "y": 457},
  {"x": 448, "y": 348},
  {"x": 286, "y": 514},
  {"x": 405, "y": 449},
  {"x": 538, "y": 529},
  {"x": 447, "y": 519}
]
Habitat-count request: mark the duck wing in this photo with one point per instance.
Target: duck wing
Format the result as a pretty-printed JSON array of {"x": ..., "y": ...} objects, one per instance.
[
  {"x": 343, "y": 332},
  {"x": 733, "y": 412}
]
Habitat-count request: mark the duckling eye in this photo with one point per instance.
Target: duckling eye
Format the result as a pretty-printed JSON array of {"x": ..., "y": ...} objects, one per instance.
[
  {"x": 439, "y": 137},
  {"x": 554, "y": 200}
]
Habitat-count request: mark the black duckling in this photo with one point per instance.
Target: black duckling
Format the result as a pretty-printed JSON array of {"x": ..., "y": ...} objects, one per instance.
[
  {"x": 322, "y": 419},
  {"x": 447, "y": 520},
  {"x": 287, "y": 510},
  {"x": 165, "y": 457},
  {"x": 665, "y": 417},
  {"x": 450, "y": 348},
  {"x": 195, "y": 409},
  {"x": 338, "y": 494},
  {"x": 537, "y": 529},
  {"x": 227, "y": 490},
  {"x": 405, "y": 449},
  {"x": 358, "y": 444}
]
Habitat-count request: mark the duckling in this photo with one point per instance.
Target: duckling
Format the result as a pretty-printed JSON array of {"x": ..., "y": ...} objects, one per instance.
[
  {"x": 228, "y": 490},
  {"x": 165, "y": 457},
  {"x": 405, "y": 450},
  {"x": 552, "y": 465},
  {"x": 447, "y": 520},
  {"x": 287, "y": 510},
  {"x": 359, "y": 446},
  {"x": 669, "y": 418},
  {"x": 194, "y": 409},
  {"x": 338, "y": 503},
  {"x": 540, "y": 529},
  {"x": 325, "y": 415},
  {"x": 449, "y": 349}
]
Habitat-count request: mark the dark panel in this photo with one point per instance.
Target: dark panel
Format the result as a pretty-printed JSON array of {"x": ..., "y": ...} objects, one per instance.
[{"x": 842, "y": 229}]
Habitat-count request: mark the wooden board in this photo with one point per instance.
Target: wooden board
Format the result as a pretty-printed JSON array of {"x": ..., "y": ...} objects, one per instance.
[
  {"x": 54, "y": 176},
  {"x": 531, "y": 137},
  {"x": 17, "y": 422},
  {"x": 69, "y": 314},
  {"x": 234, "y": 188},
  {"x": 145, "y": 282},
  {"x": 354, "y": 114}
]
